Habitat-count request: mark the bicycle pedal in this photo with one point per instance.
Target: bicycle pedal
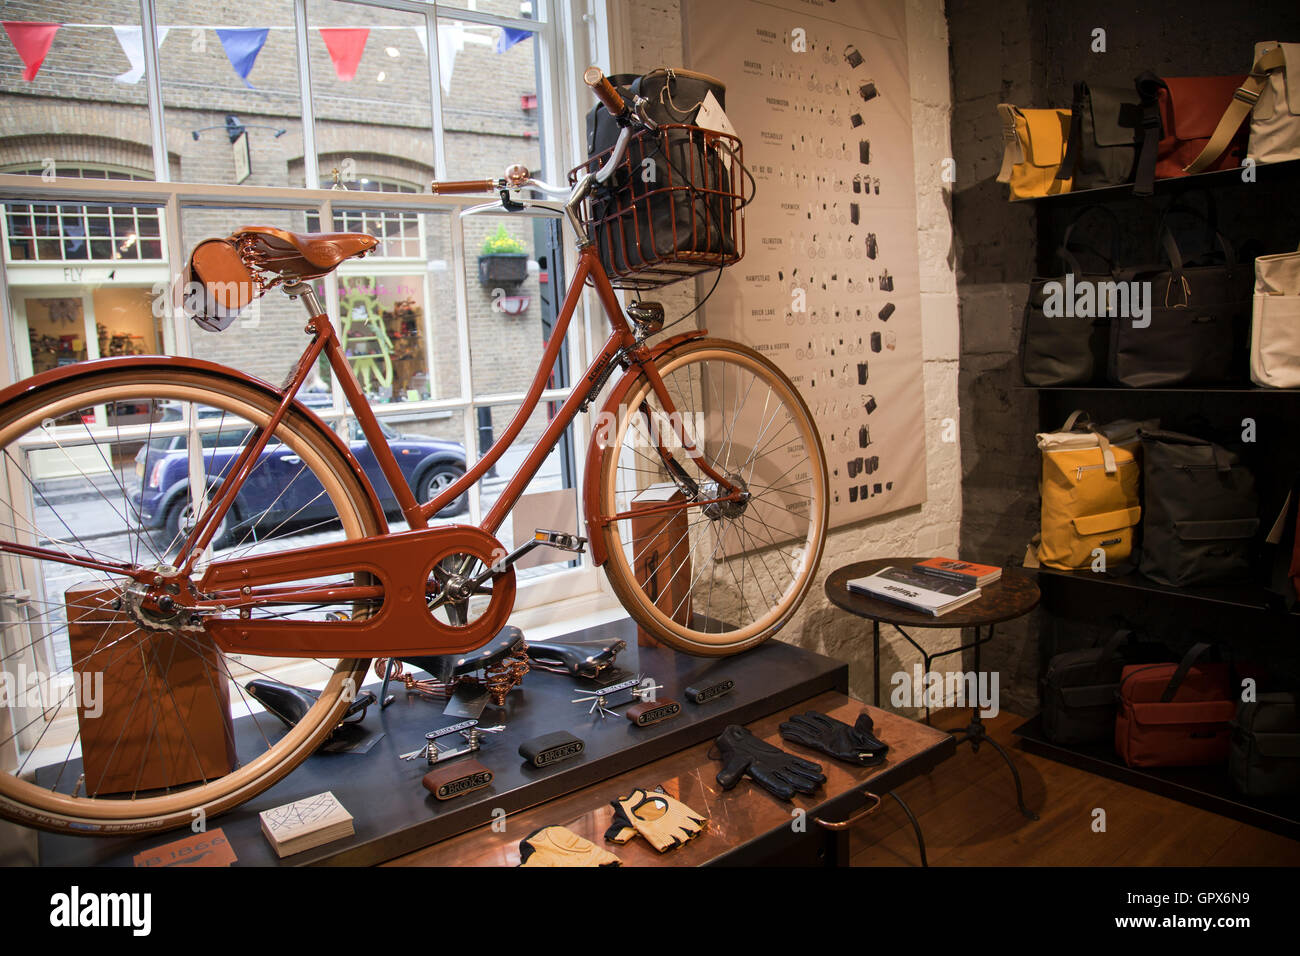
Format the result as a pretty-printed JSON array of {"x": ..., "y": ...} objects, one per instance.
[{"x": 561, "y": 540}]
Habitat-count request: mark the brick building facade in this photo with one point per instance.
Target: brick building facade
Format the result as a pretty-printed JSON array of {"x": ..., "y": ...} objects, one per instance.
[{"x": 376, "y": 129}]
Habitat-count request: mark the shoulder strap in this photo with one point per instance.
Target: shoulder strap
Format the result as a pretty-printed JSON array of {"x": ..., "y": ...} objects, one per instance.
[
  {"x": 1065, "y": 254},
  {"x": 1148, "y": 87},
  {"x": 1191, "y": 657},
  {"x": 1012, "y": 152},
  {"x": 1109, "y": 648},
  {"x": 1066, "y": 170},
  {"x": 1243, "y": 101}
]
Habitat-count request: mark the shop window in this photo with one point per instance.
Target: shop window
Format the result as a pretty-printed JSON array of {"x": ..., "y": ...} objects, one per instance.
[{"x": 67, "y": 233}]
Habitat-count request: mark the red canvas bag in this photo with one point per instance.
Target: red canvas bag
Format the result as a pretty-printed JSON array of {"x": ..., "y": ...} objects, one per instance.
[
  {"x": 1175, "y": 715},
  {"x": 1179, "y": 115}
]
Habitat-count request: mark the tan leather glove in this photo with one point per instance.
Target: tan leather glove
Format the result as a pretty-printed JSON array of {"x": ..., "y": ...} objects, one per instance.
[
  {"x": 664, "y": 821},
  {"x": 560, "y": 846}
]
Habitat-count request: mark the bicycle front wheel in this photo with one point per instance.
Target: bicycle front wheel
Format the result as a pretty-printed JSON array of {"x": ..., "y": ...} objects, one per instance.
[
  {"x": 131, "y": 719},
  {"x": 705, "y": 575}
]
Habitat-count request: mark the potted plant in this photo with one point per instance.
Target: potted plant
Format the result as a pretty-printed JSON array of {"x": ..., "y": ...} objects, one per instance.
[{"x": 503, "y": 258}]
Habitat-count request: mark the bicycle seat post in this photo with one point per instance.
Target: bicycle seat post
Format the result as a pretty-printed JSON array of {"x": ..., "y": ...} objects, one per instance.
[{"x": 302, "y": 290}]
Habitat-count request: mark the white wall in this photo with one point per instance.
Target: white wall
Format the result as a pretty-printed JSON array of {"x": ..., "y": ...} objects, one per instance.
[{"x": 653, "y": 39}]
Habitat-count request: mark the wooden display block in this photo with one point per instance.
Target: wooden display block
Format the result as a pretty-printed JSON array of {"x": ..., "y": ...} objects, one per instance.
[
  {"x": 165, "y": 718},
  {"x": 661, "y": 548}
]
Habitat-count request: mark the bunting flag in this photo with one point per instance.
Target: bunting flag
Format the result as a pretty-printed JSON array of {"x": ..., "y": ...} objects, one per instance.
[
  {"x": 132, "y": 42},
  {"x": 345, "y": 45},
  {"x": 510, "y": 38},
  {"x": 242, "y": 44},
  {"x": 32, "y": 41}
]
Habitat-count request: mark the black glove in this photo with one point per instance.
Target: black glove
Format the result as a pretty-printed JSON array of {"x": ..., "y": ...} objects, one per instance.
[
  {"x": 770, "y": 767},
  {"x": 855, "y": 745}
]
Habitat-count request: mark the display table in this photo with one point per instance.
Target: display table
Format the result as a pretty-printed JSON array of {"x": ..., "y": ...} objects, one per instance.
[
  {"x": 394, "y": 815},
  {"x": 1013, "y": 596},
  {"x": 747, "y": 825}
]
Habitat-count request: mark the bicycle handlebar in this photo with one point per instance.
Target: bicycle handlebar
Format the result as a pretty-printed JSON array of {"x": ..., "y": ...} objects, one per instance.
[
  {"x": 463, "y": 186},
  {"x": 604, "y": 90}
]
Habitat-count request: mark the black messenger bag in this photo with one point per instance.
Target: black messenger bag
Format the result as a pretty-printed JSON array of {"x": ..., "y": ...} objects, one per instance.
[
  {"x": 1063, "y": 349},
  {"x": 1264, "y": 753},
  {"x": 1105, "y": 131},
  {"x": 1199, "y": 320},
  {"x": 1079, "y": 689},
  {"x": 679, "y": 208},
  {"x": 1200, "y": 512}
]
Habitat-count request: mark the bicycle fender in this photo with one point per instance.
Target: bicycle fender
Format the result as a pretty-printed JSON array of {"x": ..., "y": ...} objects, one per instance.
[
  {"x": 55, "y": 375},
  {"x": 591, "y": 492}
]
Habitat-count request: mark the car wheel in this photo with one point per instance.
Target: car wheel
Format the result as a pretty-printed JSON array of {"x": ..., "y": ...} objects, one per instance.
[
  {"x": 180, "y": 513},
  {"x": 439, "y": 478}
]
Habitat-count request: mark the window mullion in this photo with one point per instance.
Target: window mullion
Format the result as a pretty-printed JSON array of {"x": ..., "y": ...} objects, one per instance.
[
  {"x": 162, "y": 171},
  {"x": 311, "y": 166},
  {"x": 435, "y": 103}
]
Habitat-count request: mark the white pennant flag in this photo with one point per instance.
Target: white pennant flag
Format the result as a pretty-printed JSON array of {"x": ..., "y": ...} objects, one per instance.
[
  {"x": 451, "y": 40},
  {"x": 132, "y": 42}
]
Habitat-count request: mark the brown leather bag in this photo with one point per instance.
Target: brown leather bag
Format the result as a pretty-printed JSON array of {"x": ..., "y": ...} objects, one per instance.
[
  {"x": 1179, "y": 115},
  {"x": 219, "y": 284}
]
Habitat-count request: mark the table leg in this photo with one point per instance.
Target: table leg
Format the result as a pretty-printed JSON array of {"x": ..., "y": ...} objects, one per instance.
[
  {"x": 875, "y": 660},
  {"x": 916, "y": 826}
]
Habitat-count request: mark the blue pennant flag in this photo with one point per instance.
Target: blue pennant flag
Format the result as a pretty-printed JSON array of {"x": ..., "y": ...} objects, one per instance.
[
  {"x": 242, "y": 45},
  {"x": 510, "y": 37}
]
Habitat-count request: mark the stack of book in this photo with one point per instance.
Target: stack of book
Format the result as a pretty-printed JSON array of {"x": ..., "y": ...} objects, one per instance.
[
  {"x": 934, "y": 586},
  {"x": 306, "y": 824}
]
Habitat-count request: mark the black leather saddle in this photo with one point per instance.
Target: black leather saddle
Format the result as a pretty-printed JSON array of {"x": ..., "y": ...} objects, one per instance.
[
  {"x": 576, "y": 658},
  {"x": 447, "y": 667},
  {"x": 291, "y": 703}
]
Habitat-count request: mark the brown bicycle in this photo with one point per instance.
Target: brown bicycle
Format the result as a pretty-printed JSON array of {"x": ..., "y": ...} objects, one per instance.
[{"x": 701, "y": 445}]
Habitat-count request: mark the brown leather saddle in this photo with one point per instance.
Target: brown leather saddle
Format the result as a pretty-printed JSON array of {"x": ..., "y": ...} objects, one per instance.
[{"x": 299, "y": 255}]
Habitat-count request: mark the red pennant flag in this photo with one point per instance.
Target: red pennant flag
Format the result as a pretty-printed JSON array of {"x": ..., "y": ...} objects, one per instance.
[
  {"x": 345, "y": 45},
  {"x": 32, "y": 41}
]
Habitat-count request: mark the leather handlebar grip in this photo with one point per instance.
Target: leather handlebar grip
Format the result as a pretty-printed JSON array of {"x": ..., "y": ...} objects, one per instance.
[
  {"x": 463, "y": 186},
  {"x": 604, "y": 90}
]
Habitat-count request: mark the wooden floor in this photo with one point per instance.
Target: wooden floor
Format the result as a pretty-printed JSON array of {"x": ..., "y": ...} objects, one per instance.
[{"x": 967, "y": 810}]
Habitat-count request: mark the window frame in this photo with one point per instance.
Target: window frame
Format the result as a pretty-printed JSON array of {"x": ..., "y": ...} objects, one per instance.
[{"x": 563, "y": 103}]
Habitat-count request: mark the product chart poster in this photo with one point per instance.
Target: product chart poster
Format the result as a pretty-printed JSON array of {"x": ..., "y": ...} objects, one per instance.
[{"x": 829, "y": 285}]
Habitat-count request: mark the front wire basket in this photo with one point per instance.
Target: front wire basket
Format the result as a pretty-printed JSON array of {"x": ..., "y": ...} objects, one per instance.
[{"x": 672, "y": 208}]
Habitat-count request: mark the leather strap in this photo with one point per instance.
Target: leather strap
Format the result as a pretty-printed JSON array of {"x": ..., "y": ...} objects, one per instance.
[
  {"x": 1108, "y": 650},
  {"x": 1066, "y": 170},
  {"x": 1012, "y": 152},
  {"x": 1148, "y": 88},
  {"x": 1064, "y": 252},
  {"x": 1243, "y": 102},
  {"x": 1073, "y": 420},
  {"x": 1191, "y": 657}
]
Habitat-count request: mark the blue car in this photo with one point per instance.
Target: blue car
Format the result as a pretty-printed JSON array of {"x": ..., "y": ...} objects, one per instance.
[{"x": 279, "y": 493}]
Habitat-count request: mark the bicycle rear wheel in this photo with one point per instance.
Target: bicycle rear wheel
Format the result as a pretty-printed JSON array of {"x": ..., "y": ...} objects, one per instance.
[
  {"x": 96, "y": 466},
  {"x": 707, "y": 576}
]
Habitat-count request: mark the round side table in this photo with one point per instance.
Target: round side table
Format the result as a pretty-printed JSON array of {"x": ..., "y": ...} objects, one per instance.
[{"x": 1013, "y": 596}]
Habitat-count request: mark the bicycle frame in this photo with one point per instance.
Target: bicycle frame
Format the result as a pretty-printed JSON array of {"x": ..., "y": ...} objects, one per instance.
[{"x": 400, "y": 560}]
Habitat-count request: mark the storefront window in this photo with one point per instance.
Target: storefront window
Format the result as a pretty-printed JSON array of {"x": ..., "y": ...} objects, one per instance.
[
  {"x": 231, "y": 92},
  {"x": 490, "y": 105}
]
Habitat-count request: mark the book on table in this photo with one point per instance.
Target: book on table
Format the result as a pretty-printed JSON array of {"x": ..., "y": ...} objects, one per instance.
[
  {"x": 955, "y": 570},
  {"x": 916, "y": 590}
]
